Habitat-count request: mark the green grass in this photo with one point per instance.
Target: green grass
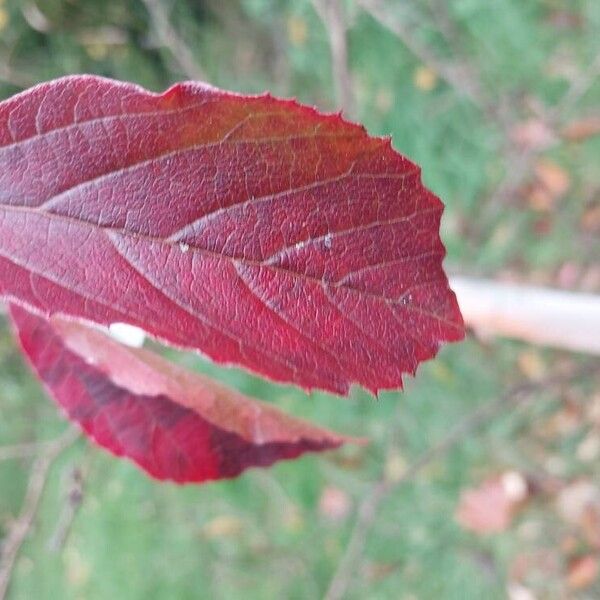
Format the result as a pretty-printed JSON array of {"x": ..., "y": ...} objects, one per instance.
[{"x": 263, "y": 535}]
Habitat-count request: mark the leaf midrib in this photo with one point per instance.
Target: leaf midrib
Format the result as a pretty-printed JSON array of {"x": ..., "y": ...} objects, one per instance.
[{"x": 241, "y": 260}]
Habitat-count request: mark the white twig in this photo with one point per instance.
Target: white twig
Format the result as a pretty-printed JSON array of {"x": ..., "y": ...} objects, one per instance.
[{"x": 537, "y": 315}]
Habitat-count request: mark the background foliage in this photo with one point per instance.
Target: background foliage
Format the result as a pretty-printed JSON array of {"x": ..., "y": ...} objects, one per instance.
[{"x": 486, "y": 97}]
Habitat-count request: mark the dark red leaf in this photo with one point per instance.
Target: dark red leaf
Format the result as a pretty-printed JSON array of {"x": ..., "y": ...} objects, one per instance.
[
  {"x": 253, "y": 229},
  {"x": 174, "y": 424}
]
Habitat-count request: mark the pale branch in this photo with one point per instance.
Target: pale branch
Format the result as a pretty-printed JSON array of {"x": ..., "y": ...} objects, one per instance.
[
  {"x": 332, "y": 15},
  {"x": 35, "y": 18},
  {"x": 170, "y": 39},
  {"x": 20, "y": 528},
  {"x": 384, "y": 486},
  {"x": 24, "y": 450},
  {"x": 537, "y": 315}
]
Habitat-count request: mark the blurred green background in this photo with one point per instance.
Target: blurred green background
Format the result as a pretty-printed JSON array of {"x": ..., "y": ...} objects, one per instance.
[{"x": 498, "y": 100}]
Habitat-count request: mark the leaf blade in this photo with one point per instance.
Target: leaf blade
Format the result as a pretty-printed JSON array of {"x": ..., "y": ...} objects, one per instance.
[
  {"x": 252, "y": 229},
  {"x": 174, "y": 424}
]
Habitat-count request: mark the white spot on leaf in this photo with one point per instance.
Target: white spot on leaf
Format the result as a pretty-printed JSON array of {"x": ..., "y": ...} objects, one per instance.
[{"x": 127, "y": 334}]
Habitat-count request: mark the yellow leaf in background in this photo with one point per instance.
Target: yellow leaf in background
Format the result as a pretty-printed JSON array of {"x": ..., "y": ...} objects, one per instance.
[
  {"x": 293, "y": 521},
  {"x": 78, "y": 571},
  {"x": 297, "y": 30},
  {"x": 531, "y": 364},
  {"x": 442, "y": 373},
  {"x": 576, "y": 499},
  {"x": 395, "y": 466},
  {"x": 533, "y": 134},
  {"x": 540, "y": 199},
  {"x": 4, "y": 18},
  {"x": 96, "y": 51},
  {"x": 424, "y": 78},
  {"x": 223, "y": 526}
]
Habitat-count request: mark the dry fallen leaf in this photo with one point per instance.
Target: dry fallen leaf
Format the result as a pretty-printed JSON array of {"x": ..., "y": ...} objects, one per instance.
[
  {"x": 583, "y": 571},
  {"x": 575, "y": 499},
  {"x": 590, "y": 219},
  {"x": 554, "y": 179},
  {"x": 539, "y": 199},
  {"x": 533, "y": 134},
  {"x": 334, "y": 503},
  {"x": 590, "y": 526},
  {"x": 562, "y": 18},
  {"x": 297, "y": 30},
  {"x": 533, "y": 564},
  {"x": 579, "y": 505},
  {"x": 531, "y": 364},
  {"x": 582, "y": 129},
  {"x": 491, "y": 507}
]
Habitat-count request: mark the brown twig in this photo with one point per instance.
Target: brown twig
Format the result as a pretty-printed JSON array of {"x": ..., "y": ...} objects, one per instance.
[
  {"x": 332, "y": 15},
  {"x": 35, "y": 488},
  {"x": 69, "y": 511},
  {"x": 170, "y": 38},
  {"x": 379, "y": 491}
]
